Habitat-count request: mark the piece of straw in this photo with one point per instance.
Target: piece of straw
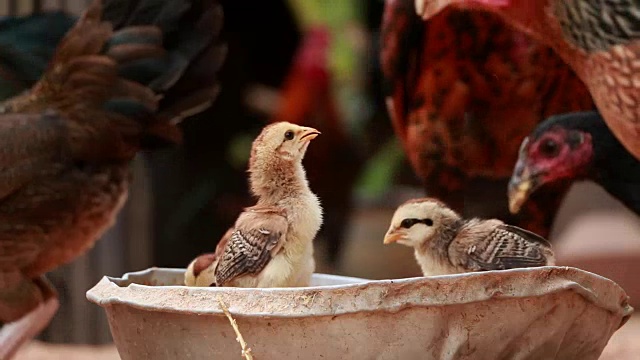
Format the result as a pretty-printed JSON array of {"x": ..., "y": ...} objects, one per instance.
[{"x": 246, "y": 350}]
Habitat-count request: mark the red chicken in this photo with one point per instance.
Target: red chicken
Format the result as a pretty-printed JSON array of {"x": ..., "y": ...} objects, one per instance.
[
  {"x": 118, "y": 83},
  {"x": 463, "y": 91},
  {"x": 569, "y": 148},
  {"x": 600, "y": 40}
]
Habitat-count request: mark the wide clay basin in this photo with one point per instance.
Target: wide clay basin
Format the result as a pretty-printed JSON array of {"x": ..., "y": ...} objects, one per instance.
[{"x": 540, "y": 313}]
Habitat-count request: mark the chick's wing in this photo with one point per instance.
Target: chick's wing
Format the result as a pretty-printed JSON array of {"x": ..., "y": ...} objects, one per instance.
[{"x": 259, "y": 234}]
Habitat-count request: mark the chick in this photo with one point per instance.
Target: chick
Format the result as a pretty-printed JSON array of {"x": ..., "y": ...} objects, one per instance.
[
  {"x": 445, "y": 243},
  {"x": 201, "y": 271},
  {"x": 272, "y": 242}
]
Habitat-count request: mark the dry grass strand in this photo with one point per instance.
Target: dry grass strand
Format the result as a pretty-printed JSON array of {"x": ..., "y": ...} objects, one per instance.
[{"x": 246, "y": 350}]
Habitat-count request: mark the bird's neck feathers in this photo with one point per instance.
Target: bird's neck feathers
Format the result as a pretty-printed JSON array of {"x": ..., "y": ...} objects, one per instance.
[
  {"x": 615, "y": 169},
  {"x": 621, "y": 178},
  {"x": 433, "y": 254},
  {"x": 438, "y": 245},
  {"x": 274, "y": 180},
  {"x": 609, "y": 158}
]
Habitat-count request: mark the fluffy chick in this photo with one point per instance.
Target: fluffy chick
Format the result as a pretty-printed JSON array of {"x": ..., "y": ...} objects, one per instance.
[
  {"x": 445, "y": 243},
  {"x": 272, "y": 242}
]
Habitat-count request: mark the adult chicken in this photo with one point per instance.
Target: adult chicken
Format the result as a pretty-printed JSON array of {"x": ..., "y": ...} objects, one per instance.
[
  {"x": 600, "y": 40},
  {"x": 119, "y": 82},
  {"x": 463, "y": 90},
  {"x": 569, "y": 148}
]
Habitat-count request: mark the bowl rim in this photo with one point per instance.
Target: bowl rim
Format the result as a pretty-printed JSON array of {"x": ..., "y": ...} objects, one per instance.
[{"x": 372, "y": 295}]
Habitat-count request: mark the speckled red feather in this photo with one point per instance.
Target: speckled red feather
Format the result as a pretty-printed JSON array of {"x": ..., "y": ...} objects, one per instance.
[
  {"x": 600, "y": 40},
  {"x": 464, "y": 89}
]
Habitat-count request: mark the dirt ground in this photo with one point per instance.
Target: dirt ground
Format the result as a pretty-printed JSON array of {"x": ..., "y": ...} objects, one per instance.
[
  {"x": 624, "y": 345},
  {"x": 37, "y": 350}
]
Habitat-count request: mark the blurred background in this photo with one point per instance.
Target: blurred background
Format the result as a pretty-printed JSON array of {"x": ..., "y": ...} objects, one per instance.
[{"x": 317, "y": 63}]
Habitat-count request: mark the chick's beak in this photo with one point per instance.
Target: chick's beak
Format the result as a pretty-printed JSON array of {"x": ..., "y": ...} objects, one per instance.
[
  {"x": 522, "y": 184},
  {"x": 392, "y": 236},
  {"x": 308, "y": 134}
]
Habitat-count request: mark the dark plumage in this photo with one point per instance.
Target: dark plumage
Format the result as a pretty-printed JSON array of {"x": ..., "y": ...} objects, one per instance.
[
  {"x": 573, "y": 147},
  {"x": 27, "y": 44},
  {"x": 599, "y": 40},
  {"x": 119, "y": 82},
  {"x": 463, "y": 89},
  {"x": 598, "y": 25}
]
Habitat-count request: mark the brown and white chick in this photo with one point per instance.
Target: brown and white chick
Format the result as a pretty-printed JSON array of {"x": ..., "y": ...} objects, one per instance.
[
  {"x": 445, "y": 243},
  {"x": 272, "y": 242}
]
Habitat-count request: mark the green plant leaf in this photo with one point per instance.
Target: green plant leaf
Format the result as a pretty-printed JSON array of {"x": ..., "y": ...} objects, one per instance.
[{"x": 379, "y": 173}]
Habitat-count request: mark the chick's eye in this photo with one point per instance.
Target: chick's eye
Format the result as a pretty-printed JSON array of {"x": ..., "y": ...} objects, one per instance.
[
  {"x": 407, "y": 223},
  {"x": 288, "y": 135},
  {"x": 549, "y": 148},
  {"x": 428, "y": 222}
]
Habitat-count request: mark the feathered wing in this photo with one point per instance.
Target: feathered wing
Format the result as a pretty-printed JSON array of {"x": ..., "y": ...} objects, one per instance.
[
  {"x": 31, "y": 145},
  {"x": 126, "y": 73},
  {"x": 259, "y": 235},
  {"x": 27, "y": 44},
  {"x": 458, "y": 124},
  {"x": 108, "y": 86},
  {"x": 493, "y": 245}
]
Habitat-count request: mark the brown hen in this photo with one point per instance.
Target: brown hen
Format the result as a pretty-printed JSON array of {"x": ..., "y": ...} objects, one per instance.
[
  {"x": 463, "y": 91},
  {"x": 119, "y": 82},
  {"x": 600, "y": 40}
]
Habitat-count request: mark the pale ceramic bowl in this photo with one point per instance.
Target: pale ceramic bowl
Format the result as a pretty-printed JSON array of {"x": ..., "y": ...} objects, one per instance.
[{"x": 541, "y": 313}]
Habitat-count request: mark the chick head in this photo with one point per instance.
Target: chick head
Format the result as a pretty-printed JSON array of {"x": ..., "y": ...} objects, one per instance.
[
  {"x": 282, "y": 140},
  {"x": 417, "y": 221}
]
